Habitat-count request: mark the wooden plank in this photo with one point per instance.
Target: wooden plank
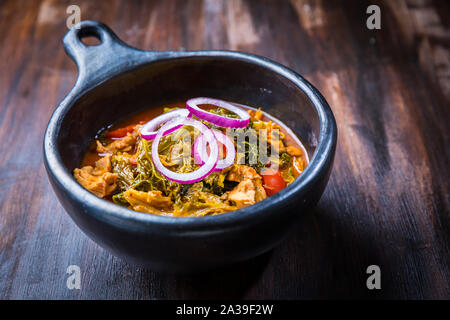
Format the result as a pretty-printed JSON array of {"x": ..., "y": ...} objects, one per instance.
[{"x": 387, "y": 202}]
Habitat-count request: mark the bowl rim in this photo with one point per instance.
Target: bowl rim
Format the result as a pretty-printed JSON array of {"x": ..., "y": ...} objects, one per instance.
[{"x": 115, "y": 214}]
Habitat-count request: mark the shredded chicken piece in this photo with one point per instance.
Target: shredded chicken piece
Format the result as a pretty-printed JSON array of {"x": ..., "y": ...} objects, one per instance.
[
  {"x": 260, "y": 192},
  {"x": 278, "y": 147},
  {"x": 294, "y": 151},
  {"x": 242, "y": 172},
  {"x": 244, "y": 194},
  {"x": 150, "y": 202},
  {"x": 103, "y": 165},
  {"x": 124, "y": 144},
  {"x": 270, "y": 132},
  {"x": 99, "y": 180},
  {"x": 255, "y": 115},
  {"x": 250, "y": 188}
]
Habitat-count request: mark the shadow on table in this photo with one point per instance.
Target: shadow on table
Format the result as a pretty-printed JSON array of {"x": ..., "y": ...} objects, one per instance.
[
  {"x": 229, "y": 282},
  {"x": 325, "y": 257}
]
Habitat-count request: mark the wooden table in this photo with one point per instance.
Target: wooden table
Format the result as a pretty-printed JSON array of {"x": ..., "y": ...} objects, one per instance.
[{"x": 387, "y": 202}]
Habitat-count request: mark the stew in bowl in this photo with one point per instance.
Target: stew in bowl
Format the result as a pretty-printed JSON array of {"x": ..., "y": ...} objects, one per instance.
[{"x": 257, "y": 156}]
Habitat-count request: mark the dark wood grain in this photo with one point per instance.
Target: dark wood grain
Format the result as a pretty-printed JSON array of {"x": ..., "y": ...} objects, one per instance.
[{"x": 387, "y": 202}]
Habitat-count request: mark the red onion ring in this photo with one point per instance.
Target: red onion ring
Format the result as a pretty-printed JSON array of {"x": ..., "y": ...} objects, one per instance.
[
  {"x": 200, "y": 154},
  {"x": 204, "y": 170},
  {"x": 221, "y": 121},
  {"x": 148, "y": 130}
]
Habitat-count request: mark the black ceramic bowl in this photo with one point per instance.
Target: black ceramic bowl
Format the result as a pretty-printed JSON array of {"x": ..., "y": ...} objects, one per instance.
[{"x": 115, "y": 81}]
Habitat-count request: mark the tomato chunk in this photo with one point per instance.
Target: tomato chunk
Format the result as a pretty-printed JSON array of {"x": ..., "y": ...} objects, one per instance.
[
  {"x": 133, "y": 160},
  {"x": 272, "y": 181},
  {"x": 121, "y": 132},
  {"x": 222, "y": 150}
]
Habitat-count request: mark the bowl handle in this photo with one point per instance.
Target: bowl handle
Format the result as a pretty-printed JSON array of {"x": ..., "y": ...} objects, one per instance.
[{"x": 97, "y": 62}]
